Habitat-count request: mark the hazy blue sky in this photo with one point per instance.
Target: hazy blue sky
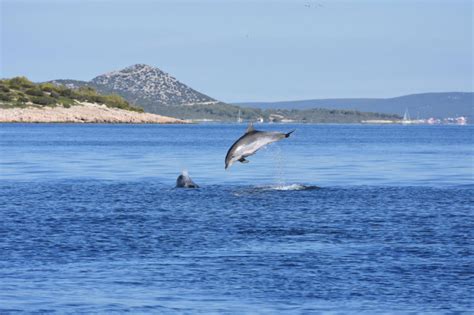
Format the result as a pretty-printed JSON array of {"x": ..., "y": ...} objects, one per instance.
[{"x": 249, "y": 50}]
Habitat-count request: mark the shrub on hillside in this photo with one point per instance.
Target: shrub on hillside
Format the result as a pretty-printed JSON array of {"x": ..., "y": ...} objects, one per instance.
[
  {"x": 35, "y": 91},
  {"x": 87, "y": 90},
  {"x": 21, "y": 81},
  {"x": 43, "y": 100},
  {"x": 115, "y": 101},
  {"x": 23, "y": 99},
  {"x": 5, "y": 97},
  {"x": 65, "y": 92},
  {"x": 48, "y": 87}
]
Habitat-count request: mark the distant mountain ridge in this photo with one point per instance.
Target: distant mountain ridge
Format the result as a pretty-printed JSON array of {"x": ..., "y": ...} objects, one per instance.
[
  {"x": 158, "y": 92},
  {"x": 144, "y": 85},
  {"x": 423, "y": 105}
]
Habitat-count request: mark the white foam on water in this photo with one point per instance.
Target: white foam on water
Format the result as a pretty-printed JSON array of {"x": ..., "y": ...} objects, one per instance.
[
  {"x": 290, "y": 187},
  {"x": 275, "y": 188}
]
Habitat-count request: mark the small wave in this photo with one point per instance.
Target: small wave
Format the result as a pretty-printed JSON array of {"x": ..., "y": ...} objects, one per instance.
[
  {"x": 278, "y": 187},
  {"x": 291, "y": 187}
]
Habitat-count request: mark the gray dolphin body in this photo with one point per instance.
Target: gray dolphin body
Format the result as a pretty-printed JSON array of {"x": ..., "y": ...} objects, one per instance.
[
  {"x": 184, "y": 181},
  {"x": 250, "y": 143}
]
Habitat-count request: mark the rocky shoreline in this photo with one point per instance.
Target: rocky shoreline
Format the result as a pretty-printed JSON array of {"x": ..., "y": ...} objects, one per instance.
[{"x": 82, "y": 113}]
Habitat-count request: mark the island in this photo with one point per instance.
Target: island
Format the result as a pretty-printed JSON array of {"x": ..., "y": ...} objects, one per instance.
[
  {"x": 24, "y": 101},
  {"x": 161, "y": 93}
]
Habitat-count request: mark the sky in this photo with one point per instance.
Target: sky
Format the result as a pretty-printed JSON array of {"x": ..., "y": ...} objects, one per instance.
[{"x": 243, "y": 50}]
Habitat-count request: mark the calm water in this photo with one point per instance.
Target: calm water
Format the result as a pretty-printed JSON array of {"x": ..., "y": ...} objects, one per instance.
[{"x": 91, "y": 223}]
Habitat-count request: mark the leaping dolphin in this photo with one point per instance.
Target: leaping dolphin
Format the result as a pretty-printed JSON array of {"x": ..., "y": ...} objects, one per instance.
[
  {"x": 250, "y": 143},
  {"x": 184, "y": 181}
]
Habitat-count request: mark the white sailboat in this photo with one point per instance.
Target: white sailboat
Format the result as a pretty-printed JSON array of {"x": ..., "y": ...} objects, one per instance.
[
  {"x": 239, "y": 119},
  {"x": 406, "y": 117}
]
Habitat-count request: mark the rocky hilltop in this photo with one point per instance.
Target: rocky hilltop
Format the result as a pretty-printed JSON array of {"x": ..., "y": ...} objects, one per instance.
[{"x": 144, "y": 85}]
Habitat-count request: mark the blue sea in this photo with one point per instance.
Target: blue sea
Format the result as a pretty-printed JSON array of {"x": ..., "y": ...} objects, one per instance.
[{"x": 335, "y": 219}]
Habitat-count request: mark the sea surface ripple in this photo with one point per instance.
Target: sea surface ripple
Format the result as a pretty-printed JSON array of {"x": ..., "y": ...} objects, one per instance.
[{"x": 337, "y": 218}]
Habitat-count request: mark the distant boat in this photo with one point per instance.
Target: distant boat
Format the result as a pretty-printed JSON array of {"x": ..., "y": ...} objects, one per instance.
[
  {"x": 461, "y": 120},
  {"x": 239, "y": 119},
  {"x": 406, "y": 117}
]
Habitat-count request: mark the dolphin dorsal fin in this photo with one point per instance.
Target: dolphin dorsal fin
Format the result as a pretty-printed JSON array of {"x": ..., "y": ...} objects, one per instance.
[{"x": 250, "y": 128}]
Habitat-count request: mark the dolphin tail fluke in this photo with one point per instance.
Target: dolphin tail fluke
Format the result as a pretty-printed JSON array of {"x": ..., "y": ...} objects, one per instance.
[{"x": 289, "y": 133}]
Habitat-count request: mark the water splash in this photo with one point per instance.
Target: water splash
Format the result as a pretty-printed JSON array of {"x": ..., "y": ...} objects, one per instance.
[
  {"x": 279, "y": 164},
  {"x": 291, "y": 187},
  {"x": 273, "y": 188}
]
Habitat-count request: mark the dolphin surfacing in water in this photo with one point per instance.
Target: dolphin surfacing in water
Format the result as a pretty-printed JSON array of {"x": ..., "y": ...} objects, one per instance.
[
  {"x": 184, "y": 181},
  {"x": 250, "y": 143}
]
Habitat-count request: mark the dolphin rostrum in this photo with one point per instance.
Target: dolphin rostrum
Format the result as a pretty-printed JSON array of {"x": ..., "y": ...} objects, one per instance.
[
  {"x": 250, "y": 143},
  {"x": 184, "y": 181}
]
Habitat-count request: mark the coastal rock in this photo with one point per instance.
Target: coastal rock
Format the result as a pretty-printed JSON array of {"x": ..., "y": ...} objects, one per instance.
[{"x": 82, "y": 113}]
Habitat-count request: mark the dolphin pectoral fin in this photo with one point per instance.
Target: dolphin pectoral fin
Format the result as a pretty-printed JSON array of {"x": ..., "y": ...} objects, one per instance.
[{"x": 243, "y": 160}]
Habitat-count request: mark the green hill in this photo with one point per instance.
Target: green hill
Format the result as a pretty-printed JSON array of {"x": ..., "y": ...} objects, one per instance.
[
  {"x": 21, "y": 92},
  {"x": 424, "y": 105},
  {"x": 229, "y": 113}
]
